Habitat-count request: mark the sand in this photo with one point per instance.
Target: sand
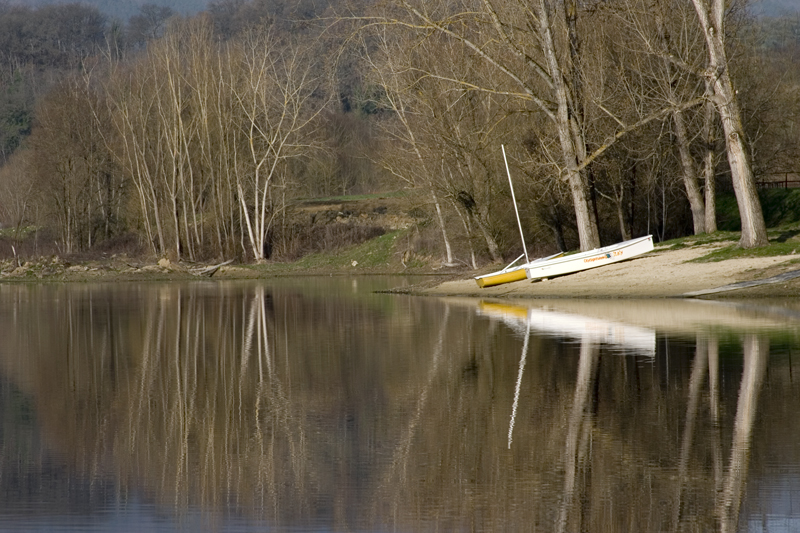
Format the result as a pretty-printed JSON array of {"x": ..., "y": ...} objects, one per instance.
[{"x": 662, "y": 273}]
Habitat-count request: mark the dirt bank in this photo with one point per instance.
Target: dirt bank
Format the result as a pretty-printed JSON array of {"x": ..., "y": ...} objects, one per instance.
[{"x": 662, "y": 273}]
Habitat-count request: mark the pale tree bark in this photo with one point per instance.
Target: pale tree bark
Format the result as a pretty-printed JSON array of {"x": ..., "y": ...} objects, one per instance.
[
  {"x": 675, "y": 84},
  {"x": 711, "y": 17},
  {"x": 207, "y": 141},
  {"x": 131, "y": 101},
  {"x": 535, "y": 53},
  {"x": 205, "y": 77},
  {"x": 443, "y": 226},
  {"x": 690, "y": 181},
  {"x": 570, "y": 132},
  {"x": 276, "y": 104},
  {"x": 709, "y": 166},
  {"x": 171, "y": 103},
  {"x": 468, "y": 230},
  {"x": 622, "y": 216}
]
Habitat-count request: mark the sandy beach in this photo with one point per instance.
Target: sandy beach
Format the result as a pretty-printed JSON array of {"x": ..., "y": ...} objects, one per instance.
[{"x": 662, "y": 273}]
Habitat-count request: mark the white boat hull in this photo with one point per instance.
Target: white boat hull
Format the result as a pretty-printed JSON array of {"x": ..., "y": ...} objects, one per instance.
[
  {"x": 591, "y": 259},
  {"x": 510, "y": 273},
  {"x": 625, "y": 337}
]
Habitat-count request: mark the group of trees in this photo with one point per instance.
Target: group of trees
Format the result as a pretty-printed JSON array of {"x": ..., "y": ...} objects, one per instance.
[
  {"x": 196, "y": 133},
  {"x": 582, "y": 78}
]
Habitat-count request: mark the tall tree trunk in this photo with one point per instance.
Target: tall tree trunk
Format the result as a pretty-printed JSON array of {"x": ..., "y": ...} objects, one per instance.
[
  {"x": 440, "y": 218},
  {"x": 491, "y": 243},
  {"x": 620, "y": 201},
  {"x": 709, "y": 175},
  {"x": 688, "y": 166},
  {"x": 690, "y": 181},
  {"x": 754, "y": 230},
  {"x": 573, "y": 146}
]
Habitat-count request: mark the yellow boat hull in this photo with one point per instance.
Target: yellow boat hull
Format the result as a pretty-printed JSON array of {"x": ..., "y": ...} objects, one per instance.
[{"x": 499, "y": 278}]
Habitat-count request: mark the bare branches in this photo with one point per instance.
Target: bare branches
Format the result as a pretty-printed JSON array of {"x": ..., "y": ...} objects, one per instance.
[{"x": 659, "y": 115}]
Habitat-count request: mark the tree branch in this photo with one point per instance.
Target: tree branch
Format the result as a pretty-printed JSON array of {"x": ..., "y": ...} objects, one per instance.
[{"x": 620, "y": 134}]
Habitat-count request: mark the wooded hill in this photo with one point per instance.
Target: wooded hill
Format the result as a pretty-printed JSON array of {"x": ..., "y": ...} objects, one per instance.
[
  {"x": 196, "y": 137},
  {"x": 123, "y": 9}
]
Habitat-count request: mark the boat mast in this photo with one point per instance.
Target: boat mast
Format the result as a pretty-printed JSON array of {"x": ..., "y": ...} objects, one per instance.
[{"x": 514, "y": 199}]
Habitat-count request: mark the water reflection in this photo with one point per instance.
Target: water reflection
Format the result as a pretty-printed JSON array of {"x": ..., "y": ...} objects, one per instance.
[
  {"x": 581, "y": 422},
  {"x": 317, "y": 404}
]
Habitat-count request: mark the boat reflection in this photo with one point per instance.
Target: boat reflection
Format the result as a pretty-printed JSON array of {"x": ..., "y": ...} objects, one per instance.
[
  {"x": 589, "y": 329},
  {"x": 728, "y": 482}
]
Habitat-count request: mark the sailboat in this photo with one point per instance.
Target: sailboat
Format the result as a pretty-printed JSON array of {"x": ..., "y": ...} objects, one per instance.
[
  {"x": 514, "y": 271},
  {"x": 590, "y": 259}
]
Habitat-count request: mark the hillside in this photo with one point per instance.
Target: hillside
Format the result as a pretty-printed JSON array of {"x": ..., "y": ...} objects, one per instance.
[
  {"x": 774, "y": 8},
  {"x": 124, "y": 9}
]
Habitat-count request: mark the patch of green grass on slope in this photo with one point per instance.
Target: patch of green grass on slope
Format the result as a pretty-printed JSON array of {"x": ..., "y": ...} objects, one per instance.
[
  {"x": 373, "y": 254},
  {"x": 781, "y": 207},
  {"x": 733, "y": 251}
]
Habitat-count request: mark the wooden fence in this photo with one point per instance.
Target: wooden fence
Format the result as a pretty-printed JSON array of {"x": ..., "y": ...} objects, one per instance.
[{"x": 778, "y": 180}]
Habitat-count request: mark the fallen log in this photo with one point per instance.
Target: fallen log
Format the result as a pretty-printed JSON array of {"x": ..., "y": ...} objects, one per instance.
[{"x": 210, "y": 270}]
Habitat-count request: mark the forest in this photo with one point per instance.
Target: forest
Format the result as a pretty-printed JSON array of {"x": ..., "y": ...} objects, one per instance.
[{"x": 198, "y": 137}]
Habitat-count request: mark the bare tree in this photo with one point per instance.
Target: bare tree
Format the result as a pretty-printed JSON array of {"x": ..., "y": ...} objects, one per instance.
[
  {"x": 534, "y": 50},
  {"x": 279, "y": 106},
  {"x": 533, "y": 67},
  {"x": 72, "y": 168},
  {"x": 131, "y": 94},
  {"x": 389, "y": 75},
  {"x": 216, "y": 141},
  {"x": 651, "y": 79},
  {"x": 17, "y": 192},
  {"x": 711, "y": 15}
]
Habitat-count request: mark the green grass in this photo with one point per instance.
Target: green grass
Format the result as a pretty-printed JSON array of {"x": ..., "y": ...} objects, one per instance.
[
  {"x": 11, "y": 233},
  {"x": 776, "y": 247},
  {"x": 701, "y": 240},
  {"x": 781, "y": 207},
  {"x": 374, "y": 254},
  {"x": 734, "y": 252}
]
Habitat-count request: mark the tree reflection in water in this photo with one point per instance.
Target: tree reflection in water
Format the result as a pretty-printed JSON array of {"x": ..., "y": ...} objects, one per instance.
[{"x": 308, "y": 407}]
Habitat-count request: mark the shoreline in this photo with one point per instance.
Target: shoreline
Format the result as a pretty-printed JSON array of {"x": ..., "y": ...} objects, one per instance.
[{"x": 662, "y": 273}]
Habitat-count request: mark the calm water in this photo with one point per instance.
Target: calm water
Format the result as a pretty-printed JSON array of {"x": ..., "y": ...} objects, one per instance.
[{"x": 318, "y": 405}]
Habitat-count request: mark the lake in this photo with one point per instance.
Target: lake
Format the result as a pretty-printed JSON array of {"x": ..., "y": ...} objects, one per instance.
[{"x": 319, "y": 404}]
